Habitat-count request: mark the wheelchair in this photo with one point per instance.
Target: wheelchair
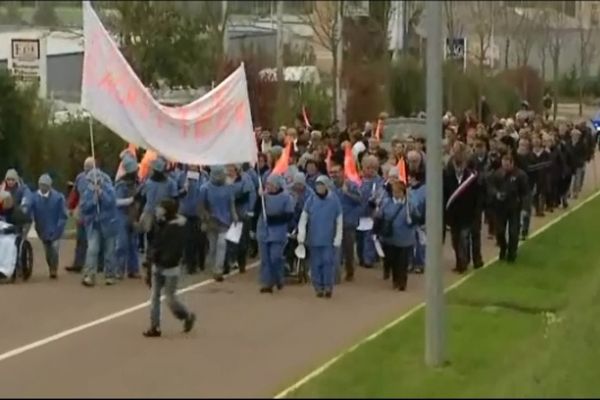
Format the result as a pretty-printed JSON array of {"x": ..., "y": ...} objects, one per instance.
[{"x": 24, "y": 265}]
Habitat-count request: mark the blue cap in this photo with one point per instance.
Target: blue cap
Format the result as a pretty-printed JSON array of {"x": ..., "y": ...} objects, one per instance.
[
  {"x": 159, "y": 165},
  {"x": 130, "y": 164},
  {"x": 45, "y": 180}
]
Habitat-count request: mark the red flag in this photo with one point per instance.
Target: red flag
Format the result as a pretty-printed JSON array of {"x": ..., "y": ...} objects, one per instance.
[
  {"x": 350, "y": 170},
  {"x": 402, "y": 171},
  {"x": 281, "y": 166}
]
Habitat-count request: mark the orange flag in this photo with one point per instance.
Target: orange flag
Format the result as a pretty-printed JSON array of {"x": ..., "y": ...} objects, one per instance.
[
  {"x": 281, "y": 166},
  {"x": 328, "y": 159},
  {"x": 350, "y": 170},
  {"x": 402, "y": 170},
  {"x": 378, "y": 129},
  {"x": 146, "y": 164}
]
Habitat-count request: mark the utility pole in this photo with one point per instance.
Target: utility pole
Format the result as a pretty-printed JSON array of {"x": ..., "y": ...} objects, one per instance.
[
  {"x": 434, "y": 284},
  {"x": 225, "y": 32}
]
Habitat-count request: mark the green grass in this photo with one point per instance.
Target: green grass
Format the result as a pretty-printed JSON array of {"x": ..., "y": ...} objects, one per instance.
[{"x": 525, "y": 330}]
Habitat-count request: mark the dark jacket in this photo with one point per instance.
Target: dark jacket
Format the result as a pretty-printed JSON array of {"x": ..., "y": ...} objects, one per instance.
[
  {"x": 168, "y": 243},
  {"x": 462, "y": 211},
  {"x": 17, "y": 218},
  {"x": 509, "y": 191}
]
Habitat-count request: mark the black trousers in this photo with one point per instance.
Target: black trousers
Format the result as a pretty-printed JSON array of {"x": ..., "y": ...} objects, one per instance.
[
  {"x": 508, "y": 221},
  {"x": 460, "y": 243},
  {"x": 195, "y": 245},
  {"x": 396, "y": 262},
  {"x": 475, "y": 253}
]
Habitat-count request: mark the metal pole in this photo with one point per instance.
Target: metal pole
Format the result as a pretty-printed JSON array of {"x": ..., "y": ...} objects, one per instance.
[
  {"x": 434, "y": 310},
  {"x": 340, "y": 60},
  {"x": 281, "y": 115}
]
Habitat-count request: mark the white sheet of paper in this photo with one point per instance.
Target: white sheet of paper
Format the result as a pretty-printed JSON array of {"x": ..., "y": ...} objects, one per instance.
[
  {"x": 8, "y": 254},
  {"x": 234, "y": 233},
  {"x": 378, "y": 247},
  {"x": 421, "y": 236},
  {"x": 365, "y": 224}
]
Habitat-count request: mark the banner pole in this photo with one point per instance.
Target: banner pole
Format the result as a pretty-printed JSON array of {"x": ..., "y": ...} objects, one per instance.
[{"x": 93, "y": 149}]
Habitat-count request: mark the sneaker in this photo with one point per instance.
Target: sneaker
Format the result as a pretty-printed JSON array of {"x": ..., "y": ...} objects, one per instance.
[
  {"x": 320, "y": 294},
  {"x": 109, "y": 281},
  {"x": 152, "y": 332},
  {"x": 88, "y": 281},
  {"x": 189, "y": 322},
  {"x": 73, "y": 268}
]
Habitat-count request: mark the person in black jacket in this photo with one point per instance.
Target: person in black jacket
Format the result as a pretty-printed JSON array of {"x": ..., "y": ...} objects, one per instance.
[
  {"x": 165, "y": 254},
  {"x": 510, "y": 190},
  {"x": 478, "y": 163},
  {"x": 539, "y": 164},
  {"x": 460, "y": 203}
]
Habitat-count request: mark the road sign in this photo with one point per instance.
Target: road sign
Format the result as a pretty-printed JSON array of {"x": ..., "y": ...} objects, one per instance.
[
  {"x": 456, "y": 49},
  {"x": 27, "y": 62}
]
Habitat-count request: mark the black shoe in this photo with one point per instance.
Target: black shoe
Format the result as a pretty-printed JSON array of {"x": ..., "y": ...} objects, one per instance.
[
  {"x": 279, "y": 286},
  {"x": 73, "y": 269},
  {"x": 152, "y": 332},
  {"x": 242, "y": 269},
  {"x": 218, "y": 278},
  {"x": 53, "y": 275},
  {"x": 511, "y": 259},
  {"x": 478, "y": 264},
  {"x": 320, "y": 294},
  {"x": 327, "y": 295},
  {"x": 189, "y": 322},
  {"x": 386, "y": 275},
  {"x": 266, "y": 290},
  {"x": 349, "y": 278}
]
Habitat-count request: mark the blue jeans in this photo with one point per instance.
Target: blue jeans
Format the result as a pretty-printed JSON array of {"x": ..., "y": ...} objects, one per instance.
[
  {"x": 167, "y": 280},
  {"x": 51, "y": 250},
  {"x": 95, "y": 240},
  {"x": 217, "y": 249},
  {"x": 271, "y": 263}
]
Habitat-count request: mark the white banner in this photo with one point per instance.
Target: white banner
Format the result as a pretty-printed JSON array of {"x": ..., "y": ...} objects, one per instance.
[{"x": 213, "y": 130}]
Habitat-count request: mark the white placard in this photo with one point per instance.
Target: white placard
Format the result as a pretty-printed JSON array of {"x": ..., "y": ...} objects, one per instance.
[
  {"x": 234, "y": 233},
  {"x": 365, "y": 224},
  {"x": 28, "y": 62}
]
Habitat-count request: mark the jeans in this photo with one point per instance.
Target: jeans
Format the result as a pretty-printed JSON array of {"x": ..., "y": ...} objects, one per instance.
[
  {"x": 578, "y": 180},
  {"x": 167, "y": 280},
  {"x": 418, "y": 256},
  {"x": 95, "y": 240},
  {"x": 51, "y": 250},
  {"x": 80, "y": 247},
  {"x": 217, "y": 250}
]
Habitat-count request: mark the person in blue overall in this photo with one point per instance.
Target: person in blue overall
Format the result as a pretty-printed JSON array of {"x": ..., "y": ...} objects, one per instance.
[
  {"x": 300, "y": 192},
  {"x": 158, "y": 187},
  {"x": 321, "y": 227},
  {"x": 189, "y": 206},
  {"x": 397, "y": 214},
  {"x": 126, "y": 252},
  {"x": 416, "y": 193},
  {"x": 81, "y": 242},
  {"x": 49, "y": 213},
  {"x": 244, "y": 200},
  {"x": 99, "y": 212},
  {"x": 371, "y": 191},
  {"x": 217, "y": 210},
  {"x": 349, "y": 195},
  {"x": 272, "y": 233}
]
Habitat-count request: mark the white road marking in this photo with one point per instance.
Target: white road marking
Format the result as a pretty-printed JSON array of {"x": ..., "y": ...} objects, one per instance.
[
  {"x": 42, "y": 342},
  {"x": 413, "y": 310}
]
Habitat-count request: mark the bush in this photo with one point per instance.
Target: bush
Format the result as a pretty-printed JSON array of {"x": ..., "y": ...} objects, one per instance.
[
  {"x": 45, "y": 14},
  {"x": 407, "y": 87}
]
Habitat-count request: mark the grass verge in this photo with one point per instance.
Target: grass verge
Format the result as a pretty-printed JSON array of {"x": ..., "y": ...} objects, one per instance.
[{"x": 524, "y": 330}]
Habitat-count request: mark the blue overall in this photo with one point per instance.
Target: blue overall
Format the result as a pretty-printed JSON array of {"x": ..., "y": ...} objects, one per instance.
[
  {"x": 100, "y": 219},
  {"x": 321, "y": 230},
  {"x": 351, "y": 212},
  {"x": 272, "y": 237},
  {"x": 417, "y": 197},
  {"x": 365, "y": 246},
  {"x": 50, "y": 216},
  {"x": 126, "y": 251}
]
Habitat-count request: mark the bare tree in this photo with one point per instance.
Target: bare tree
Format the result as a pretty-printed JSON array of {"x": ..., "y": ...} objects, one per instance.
[
  {"x": 543, "y": 50},
  {"x": 454, "y": 29},
  {"x": 482, "y": 17},
  {"x": 524, "y": 32},
  {"x": 324, "y": 21},
  {"x": 555, "y": 38},
  {"x": 587, "y": 49}
]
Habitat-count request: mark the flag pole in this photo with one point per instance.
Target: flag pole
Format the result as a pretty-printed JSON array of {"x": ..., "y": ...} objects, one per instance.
[{"x": 93, "y": 149}]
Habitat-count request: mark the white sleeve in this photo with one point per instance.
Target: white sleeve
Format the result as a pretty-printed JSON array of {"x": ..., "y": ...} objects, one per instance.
[
  {"x": 125, "y": 202},
  {"x": 302, "y": 227},
  {"x": 337, "y": 241}
]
